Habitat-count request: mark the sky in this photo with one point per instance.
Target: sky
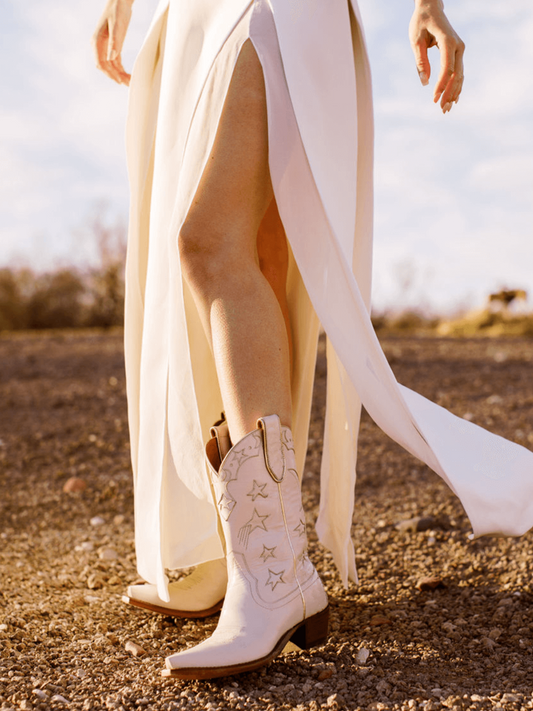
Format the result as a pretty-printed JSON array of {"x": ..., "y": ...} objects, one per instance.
[{"x": 454, "y": 193}]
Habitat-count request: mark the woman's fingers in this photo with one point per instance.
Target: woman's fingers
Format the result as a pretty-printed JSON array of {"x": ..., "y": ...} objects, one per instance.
[
  {"x": 450, "y": 81},
  {"x": 422, "y": 62},
  {"x": 109, "y": 38},
  {"x": 429, "y": 26}
]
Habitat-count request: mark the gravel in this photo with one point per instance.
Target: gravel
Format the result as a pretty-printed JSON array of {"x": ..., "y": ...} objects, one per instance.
[{"x": 437, "y": 622}]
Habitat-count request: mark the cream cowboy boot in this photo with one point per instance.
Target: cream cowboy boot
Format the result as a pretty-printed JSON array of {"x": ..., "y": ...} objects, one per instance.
[
  {"x": 274, "y": 593},
  {"x": 199, "y": 594}
]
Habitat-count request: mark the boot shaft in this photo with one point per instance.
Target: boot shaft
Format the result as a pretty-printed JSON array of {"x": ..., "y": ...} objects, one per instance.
[{"x": 257, "y": 493}]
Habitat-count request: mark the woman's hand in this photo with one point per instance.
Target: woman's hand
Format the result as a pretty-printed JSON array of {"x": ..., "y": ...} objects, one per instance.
[
  {"x": 429, "y": 27},
  {"x": 109, "y": 37}
]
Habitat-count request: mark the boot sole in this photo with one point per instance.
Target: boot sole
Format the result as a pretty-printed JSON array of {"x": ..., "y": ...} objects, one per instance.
[
  {"x": 170, "y": 612},
  {"x": 311, "y": 632}
]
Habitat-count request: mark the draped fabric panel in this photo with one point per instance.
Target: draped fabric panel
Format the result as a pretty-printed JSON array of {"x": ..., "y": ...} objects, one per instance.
[{"x": 321, "y": 161}]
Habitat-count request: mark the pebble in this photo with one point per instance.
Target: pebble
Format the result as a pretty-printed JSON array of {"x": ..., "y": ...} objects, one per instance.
[
  {"x": 362, "y": 656},
  {"x": 488, "y": 643},
  {"x": 107, "y": 554},
  {"x": 433, "y": 583},
  {"x": 378, "y": 620},
  {"x": 511, "y": 699},
  {"x": 59, "y": 699},
  {"x": 95, "y": 581},
  {"x": 40, "y": 694},
  {"x": 495, "y": 633},
  {"x": 119, "y": 519},
  {"x": 494, "y": 400},
  {"x": 134, "y": 648},
  {"x": 417, "y": 524},
  {"x": 325, "y": 674},
  {"x": 97, "y": 521},
  {"x": 85, "y": 547},
  {"x": 74, "y": 485}
]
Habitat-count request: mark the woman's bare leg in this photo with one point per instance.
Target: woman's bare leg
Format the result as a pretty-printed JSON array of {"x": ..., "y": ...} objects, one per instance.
[
  {"x": 217, "y": 243},
  {"x": 273, "y": 254}
]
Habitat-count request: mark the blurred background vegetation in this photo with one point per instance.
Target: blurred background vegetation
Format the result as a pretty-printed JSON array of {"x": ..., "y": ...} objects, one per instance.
[
  {"x": 69, "y": 296},
  {"x": 85, "y": 297}
]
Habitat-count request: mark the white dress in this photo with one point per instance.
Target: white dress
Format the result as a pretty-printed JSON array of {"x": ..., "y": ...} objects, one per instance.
[{"x": 321, "y": 156}]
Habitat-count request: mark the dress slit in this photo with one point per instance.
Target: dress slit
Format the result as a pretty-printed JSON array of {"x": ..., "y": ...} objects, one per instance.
[{"x": 319, "y": 113}]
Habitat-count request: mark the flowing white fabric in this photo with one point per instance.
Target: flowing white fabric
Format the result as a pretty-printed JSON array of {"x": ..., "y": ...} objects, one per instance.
[{"x": 320, "y": 152}]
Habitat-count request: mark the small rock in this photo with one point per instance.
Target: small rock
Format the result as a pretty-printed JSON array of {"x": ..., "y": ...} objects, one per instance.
[
  {"x": 494, "y": 400},
  {"x": 378, "y": 620},
  {"x": 59, "y": 699},
  {"x": 325, "y": 674},
  {"x": 95, "y": 581},
  {"x": 107, "y": 554},
  {"x": 85, "y": 547},
  {"x": 40, "y": 694},
  {"x": 97, "y": 521},
  {"x": 74, "y": 485},
  {"x": 488, "y": 643},
  {"x": 383, "y": 687},
  {"x": 25, "y": 705},
  {"x": 425, "y": 584},
  {"x": 362, "y": 656},
  {"x": 495, "y": 633},
  {"x": 511, "y": 699},
  {"x": 119, "y": 519},
  {"x": 420, "y": 523},
  {"x": 135, "y": 649}
]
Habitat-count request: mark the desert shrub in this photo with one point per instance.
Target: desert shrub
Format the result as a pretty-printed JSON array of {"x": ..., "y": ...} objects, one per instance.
[
  {"x": 107, "y": 296},
  {"x": 57, "y": 300},
  {"x": 13, "y": 299},
  {"x": 70, "y": 297},
  {"x": 106, "y": 281}
]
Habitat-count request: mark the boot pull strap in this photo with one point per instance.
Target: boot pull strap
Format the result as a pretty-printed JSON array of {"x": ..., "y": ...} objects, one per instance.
[
  {"x": 273, "y": 447},
  {"x": 221, "y": 433}
]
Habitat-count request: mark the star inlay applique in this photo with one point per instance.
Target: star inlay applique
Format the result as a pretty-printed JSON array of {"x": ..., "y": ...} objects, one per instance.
[
  {"x": 257, "y": 490},
  {"x": 226, "y": 505},
  {"x": 267, "y": 553},
  {"x": 274, "y": 578},
  {"x": 227, "y": 473},
  {"x": 257, "y": 521},
  {"x": 300, "y": 528}
]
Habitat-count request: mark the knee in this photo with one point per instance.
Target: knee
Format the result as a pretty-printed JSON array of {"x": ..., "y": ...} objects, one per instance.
[{"x": 206, "y": 254}]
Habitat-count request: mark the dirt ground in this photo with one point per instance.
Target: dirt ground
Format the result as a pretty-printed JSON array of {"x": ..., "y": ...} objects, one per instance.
[{"x": 65, "y": 558}]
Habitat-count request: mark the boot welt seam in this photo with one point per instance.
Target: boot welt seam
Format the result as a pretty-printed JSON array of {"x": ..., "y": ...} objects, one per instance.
[{"x": 173, "y": 612}]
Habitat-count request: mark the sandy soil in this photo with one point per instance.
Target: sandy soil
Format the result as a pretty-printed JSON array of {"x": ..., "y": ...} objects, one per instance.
[{"x": 65, "y": 558}]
